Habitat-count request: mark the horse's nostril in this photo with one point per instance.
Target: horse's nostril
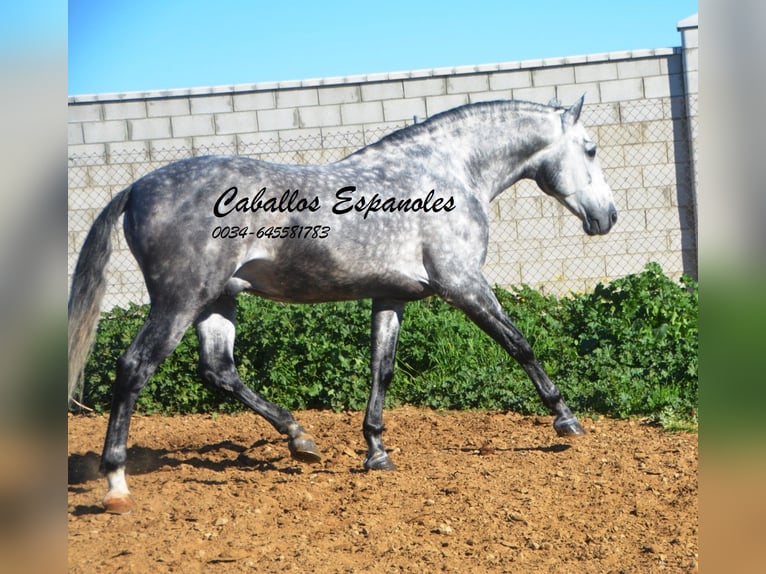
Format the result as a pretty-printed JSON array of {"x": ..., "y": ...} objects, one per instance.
[{"x": 613, "y": 216}]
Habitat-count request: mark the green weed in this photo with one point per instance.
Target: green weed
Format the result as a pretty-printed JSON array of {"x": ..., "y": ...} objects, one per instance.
[{"x": 627, "y": 348}]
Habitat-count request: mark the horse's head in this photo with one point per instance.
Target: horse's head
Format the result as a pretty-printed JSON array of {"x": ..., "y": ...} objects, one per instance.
[{"x": 569, "y": 170}]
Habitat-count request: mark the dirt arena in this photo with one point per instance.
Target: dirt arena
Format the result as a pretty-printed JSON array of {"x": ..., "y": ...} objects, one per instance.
[{"x": 474, "y": 492}]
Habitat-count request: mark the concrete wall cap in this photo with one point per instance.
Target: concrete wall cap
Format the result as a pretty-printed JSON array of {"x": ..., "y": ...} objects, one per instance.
[
  {"x": 690, "y": 22},
  {"x": 365, "y": 78}
]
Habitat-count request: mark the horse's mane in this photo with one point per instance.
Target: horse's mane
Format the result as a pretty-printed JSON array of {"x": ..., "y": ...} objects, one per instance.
[{"x": 459, "y": 113}]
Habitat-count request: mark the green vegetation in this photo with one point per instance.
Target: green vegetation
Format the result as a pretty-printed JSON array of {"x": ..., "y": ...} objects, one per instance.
[{"x": 628, "y": 348}]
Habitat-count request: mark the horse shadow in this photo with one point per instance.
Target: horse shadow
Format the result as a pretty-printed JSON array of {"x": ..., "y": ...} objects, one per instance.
[
  {"x": 83, "y": 468},
  {"x": 550, "y": 449}
]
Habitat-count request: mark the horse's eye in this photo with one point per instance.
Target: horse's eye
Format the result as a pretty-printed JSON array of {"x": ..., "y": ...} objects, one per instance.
[{"x": 590, "y": 149}]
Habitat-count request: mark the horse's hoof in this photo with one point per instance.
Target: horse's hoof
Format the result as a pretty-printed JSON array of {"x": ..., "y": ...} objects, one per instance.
[
  {"x": 568, "y": 427},
  {"x": 118, "y": 504},
  {"x": 379, "y": 461},
  {"x": 304, "y": 449}
]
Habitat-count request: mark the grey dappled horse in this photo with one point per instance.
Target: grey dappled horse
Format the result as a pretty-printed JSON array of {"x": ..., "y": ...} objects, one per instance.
[{"x": 398, "y": 220}]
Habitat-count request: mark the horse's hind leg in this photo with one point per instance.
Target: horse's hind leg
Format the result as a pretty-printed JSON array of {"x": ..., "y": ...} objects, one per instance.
[
  {"x": 483, "y": 308},
  {"x": 386, "y": 319},
  {"x": 215, "y": 330},
  {"x": 159, "y": 335}
]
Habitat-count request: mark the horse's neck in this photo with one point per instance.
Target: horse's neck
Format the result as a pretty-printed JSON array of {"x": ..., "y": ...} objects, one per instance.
[
  {"x": 487, "y": 150},
  {"x": 492, "y": 149},
  {"x": 505, "y": 146}
]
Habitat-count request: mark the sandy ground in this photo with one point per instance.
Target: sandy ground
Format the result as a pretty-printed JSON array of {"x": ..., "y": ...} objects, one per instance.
[{"x": 474, "y": 492}]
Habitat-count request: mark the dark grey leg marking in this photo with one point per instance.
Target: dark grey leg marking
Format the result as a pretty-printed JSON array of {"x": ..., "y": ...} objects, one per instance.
[
  {"x": 215, "y": 329},
  {"x": 158, "y": 337},
  {"x": 482, "y": 307},
  {"x": 386, "y": 320}
]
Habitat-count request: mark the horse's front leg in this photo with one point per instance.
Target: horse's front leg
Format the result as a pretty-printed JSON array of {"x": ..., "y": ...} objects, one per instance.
[
  {"x": 386, "y": 320},
  {"x": 482, "y": 307}
]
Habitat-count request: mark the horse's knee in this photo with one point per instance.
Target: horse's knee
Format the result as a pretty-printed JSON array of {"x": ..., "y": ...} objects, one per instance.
[{"x": 520, "y": 348}]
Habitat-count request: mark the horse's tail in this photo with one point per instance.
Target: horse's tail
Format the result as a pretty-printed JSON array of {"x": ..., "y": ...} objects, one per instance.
[{"x": 89, "y": 286}]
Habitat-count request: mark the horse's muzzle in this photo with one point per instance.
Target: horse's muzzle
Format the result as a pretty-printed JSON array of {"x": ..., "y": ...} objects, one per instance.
[{"x": 600, "y": 225}]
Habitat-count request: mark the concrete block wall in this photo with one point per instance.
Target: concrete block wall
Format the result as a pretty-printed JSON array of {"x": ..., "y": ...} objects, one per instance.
[{"x": 636, "y": 109}]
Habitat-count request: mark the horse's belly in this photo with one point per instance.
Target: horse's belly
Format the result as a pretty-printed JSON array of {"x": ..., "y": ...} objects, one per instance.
[{"x": 321, "y": 280}]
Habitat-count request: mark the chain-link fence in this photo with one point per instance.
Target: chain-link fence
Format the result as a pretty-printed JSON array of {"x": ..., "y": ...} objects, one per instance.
[{"x": 643, "y": 147}]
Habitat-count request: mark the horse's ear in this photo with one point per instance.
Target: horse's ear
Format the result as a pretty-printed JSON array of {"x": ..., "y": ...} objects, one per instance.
[{"x": 572, "y": 115}]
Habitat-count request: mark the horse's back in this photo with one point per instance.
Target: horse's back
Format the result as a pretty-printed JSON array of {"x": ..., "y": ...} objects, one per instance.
[{"x": 281, "y": 248}]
